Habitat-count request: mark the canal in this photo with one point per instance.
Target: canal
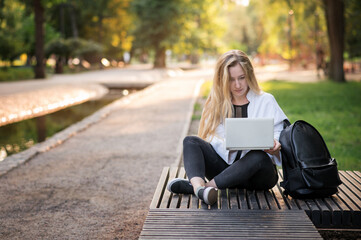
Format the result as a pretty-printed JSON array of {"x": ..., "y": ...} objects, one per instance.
[{"x": 19, "y": 136}]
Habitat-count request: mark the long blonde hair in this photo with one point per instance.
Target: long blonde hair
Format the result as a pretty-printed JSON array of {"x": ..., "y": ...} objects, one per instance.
[{"x": 219, "y": 102}]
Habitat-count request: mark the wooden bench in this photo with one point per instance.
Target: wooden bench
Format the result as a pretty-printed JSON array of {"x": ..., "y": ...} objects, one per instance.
[
  {"x": 227, "y": 224},
  {"x": 342, "y": 210}
]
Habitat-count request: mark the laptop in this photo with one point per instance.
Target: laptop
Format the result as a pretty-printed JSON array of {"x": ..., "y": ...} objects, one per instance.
[{"x": 249, "y": 133}]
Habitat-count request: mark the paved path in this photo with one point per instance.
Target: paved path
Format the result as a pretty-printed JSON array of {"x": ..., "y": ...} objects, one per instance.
[
  {"x": 27, "y": 99},
  {"x": 98, "y": 184}
]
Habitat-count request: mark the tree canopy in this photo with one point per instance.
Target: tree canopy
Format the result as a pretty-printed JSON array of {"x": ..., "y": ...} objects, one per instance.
[{"x": 285, "y": 29}]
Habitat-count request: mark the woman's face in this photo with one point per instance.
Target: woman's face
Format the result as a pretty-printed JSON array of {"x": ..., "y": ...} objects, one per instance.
[{"x": 238, "y": 83}]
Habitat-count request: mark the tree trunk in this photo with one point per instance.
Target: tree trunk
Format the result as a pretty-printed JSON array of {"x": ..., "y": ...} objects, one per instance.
[
  {"x": 290, "y": 20},
  {"x": 62, "y": 20},
  {"x": 59, "y": 65},
  {"x": 159, "y": 60},
  {"x": 39, "y": 39},
  {"x": 73, "y": 22},
  {"x": 334, "y": 11},
  {"x": 194, "y": 58}
]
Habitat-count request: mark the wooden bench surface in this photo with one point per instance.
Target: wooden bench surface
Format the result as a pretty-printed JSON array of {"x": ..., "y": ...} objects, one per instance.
[
  {"x": 342, "y": 210},
  {"x": 227, "y": 224}
]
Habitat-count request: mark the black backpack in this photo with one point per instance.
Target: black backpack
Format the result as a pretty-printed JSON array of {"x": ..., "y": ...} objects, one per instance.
[{"x": 308, "y": 169}]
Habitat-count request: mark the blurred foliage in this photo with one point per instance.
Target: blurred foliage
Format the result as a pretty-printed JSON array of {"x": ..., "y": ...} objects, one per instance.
[
  {"x": 353, "y": 28},
  {"x": 57, "y": 47},
  {"x": 90, "y": 51},
  {"x": 158, "y": 26},
  {"x": 245, "y": 34},
  {"x": 106, "y": 22},
  {"x": 287, "y": 29},
  {"x": 75, "y": 48},
  {"x": 290, "y": 29},
  {"x": 11, "y": 22},
  {"x": 203, "y": 29},
  {"x": 16, "y": 73}
]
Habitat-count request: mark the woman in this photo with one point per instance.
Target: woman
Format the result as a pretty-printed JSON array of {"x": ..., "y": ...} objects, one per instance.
[{"x": 235, "y": 93}]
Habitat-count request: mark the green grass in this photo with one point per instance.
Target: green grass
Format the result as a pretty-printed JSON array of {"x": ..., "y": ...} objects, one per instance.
[
  {"x": 15, "y": 74},
  {"x": 197, "y": 111},
  {"x": 334, "y": 109},
  {"x": 11, "y": 74}
]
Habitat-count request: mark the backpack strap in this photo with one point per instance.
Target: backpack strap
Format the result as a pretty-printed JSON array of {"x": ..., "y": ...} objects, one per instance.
[{"x": 286, "y": 123}]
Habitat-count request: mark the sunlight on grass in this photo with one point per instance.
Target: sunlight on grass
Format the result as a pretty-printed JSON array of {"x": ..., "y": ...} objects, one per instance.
[
  {"x": 333, "y": 109},
  {"x": 206, "y": 88},
  {"x": 268, "y": 86}
]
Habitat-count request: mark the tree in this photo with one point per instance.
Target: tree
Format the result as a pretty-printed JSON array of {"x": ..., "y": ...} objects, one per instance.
[
  {"x": 39, "y": 39},
  {"x": 27, "y": 33},
  {"x": 106, "y": 22},
  {"x": 203, "y": 28},
  {"x": 249, "y": 31},
  {"x": 353, "y": 28},
  {"x": 117, "y": 37},
  {"x": 287, "y": 28},
  {"x": 334, "y": 12},
  {"x": 158, "y": 27},
  {"x": 12, "y": 15},
  {"x": 61, "y": 50}
]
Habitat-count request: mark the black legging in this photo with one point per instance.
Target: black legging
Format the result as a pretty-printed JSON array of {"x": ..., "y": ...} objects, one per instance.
[{"x": 254, "y": 171}]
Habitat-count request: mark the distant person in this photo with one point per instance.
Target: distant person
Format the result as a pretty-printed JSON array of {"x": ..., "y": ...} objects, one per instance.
[{"x": 235, "y": 93}]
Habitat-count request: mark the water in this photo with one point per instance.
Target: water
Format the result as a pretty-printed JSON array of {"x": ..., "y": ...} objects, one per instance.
[{"x": 22, "y": 135}]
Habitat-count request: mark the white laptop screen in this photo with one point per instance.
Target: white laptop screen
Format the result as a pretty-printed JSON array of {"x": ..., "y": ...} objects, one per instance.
[{"x": 249, "y": 133}]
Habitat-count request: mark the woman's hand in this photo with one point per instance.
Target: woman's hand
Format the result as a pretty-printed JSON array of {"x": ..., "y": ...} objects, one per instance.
[{"x": 276, "y": 148}]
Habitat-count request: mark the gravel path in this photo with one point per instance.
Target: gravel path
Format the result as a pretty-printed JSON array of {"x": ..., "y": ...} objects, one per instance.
[{"x": 99, "y": 183}]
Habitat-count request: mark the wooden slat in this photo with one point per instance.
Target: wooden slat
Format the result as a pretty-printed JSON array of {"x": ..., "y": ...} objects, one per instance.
[
  {"x": 290, "y": 201},
  {"x": 159, "y": 191},
  {"x": 233, "y": 198},
  {"x": 167, "y": 195},
  {"x": 263, "y": 204},
  {"x": 351, "y": 197},
  {"x": 315, "y": 212},
  {"x": 227, "y": 224},
  {"x": 271, "y": 199},
  {"x": 352, "y": 185},
  {"x": 223, "y": 203},
  {"x": 194, "y": 204},
  {"x": 346, "y": 211},
  {"x": 356, "y": 179},
  {"x": 281, "y": 200},
  {"x": 347, "y": 198},
  {"x": 184, "y": 204},
  {"x": 252, "y": 199},
  {"x": 326, "y": 218},
  {"x": 242, "y": 195},
  {"x": 336, "y": 212},
  {"x": 176, "y": 199},
  {"x": 358, "y": 174}
]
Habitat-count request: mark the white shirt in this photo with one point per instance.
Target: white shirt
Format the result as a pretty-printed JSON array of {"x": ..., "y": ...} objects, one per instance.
[{"x": 260, "y": 106}]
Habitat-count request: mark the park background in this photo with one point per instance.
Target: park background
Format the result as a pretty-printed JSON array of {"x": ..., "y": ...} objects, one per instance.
[
  {"x": 41, "y": 38},
  {"x": 95, "y": 178}
]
